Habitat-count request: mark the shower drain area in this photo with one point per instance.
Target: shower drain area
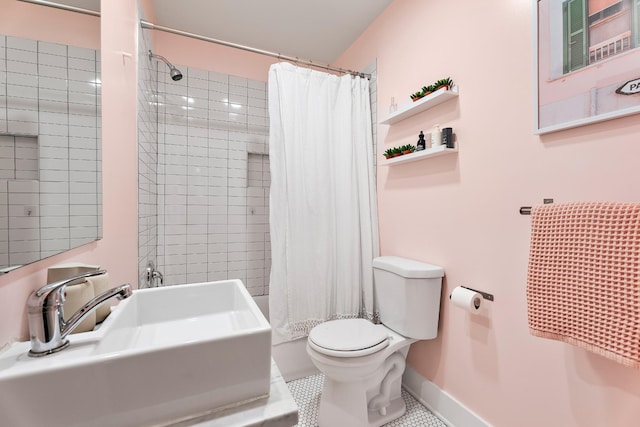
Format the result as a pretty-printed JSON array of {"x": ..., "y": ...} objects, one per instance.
[{"x": 307, "y": 391}]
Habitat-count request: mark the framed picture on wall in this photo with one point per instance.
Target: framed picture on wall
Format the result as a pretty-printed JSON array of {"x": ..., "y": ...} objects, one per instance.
[{"x": 587, "y": 62}]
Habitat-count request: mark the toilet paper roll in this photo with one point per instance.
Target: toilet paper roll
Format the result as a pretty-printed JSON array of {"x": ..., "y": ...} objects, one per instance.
[
  {"x": 101, "y": 284},
  {"x": 466, "y": 299}
]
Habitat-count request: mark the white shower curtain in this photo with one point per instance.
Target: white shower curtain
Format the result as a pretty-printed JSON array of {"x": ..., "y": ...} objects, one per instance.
[{"x": 323, "y": 216}]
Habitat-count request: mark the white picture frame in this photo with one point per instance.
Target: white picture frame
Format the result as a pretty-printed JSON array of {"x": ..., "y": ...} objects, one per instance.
[{"x": 576, "y": 86}]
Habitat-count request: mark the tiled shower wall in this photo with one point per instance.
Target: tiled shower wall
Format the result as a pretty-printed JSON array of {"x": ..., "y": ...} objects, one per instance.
[
  {"x": 212, "y": 220},
  {"x": 213, "y": 176},
  {"x": 50, "y": 96}
]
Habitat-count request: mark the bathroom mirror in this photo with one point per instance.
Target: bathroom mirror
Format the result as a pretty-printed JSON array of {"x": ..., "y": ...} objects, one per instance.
[{"x": 50, "y": 132}]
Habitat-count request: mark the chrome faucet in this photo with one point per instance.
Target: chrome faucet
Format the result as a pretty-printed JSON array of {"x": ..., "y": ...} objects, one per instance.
[
  {"x": 47, "y": 328},
  {"x": 150, "y": 276}
]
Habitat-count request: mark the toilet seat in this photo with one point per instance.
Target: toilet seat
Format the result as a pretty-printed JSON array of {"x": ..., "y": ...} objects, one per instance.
[{"x": 348, "y": 338}]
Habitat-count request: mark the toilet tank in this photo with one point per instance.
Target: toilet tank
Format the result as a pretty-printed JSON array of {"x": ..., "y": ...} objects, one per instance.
[{"x": 408, "y": 295}]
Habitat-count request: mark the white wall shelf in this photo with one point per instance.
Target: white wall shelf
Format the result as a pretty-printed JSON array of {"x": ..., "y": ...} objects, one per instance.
[
  {"x": 429, "y": 101},
  {"x": 438, "y": 151}
]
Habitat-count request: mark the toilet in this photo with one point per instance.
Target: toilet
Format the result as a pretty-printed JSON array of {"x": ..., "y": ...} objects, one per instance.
[{"x": 363, "y": 362}]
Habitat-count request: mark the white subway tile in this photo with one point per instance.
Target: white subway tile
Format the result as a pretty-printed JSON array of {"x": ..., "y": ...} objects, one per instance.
[
  {"x": 53, "y": 95},
  {"x": 88, "y": 210},
  {"x": 82, "y": 233},
  {"x": 24, "y": 258},
  {"x": 257, "y": 102},
  {"x": 84, "y": 143},
  {"x": 22, "y": 116},
  {"x": 238, "y": 81},
  {"x": 19, "y": 96},
  {"x": 54, "y": 129},
  {"x": 82, "y": 132},
  {"x": 52, "y": 48},
  {"x": 21, "y": 79},
  {"x": 83, "y": 221},
  {"x": 175, "y": 240},
  {"x": 80, "y": 52},
  {"x": 52, "y": 83},
  {"x": 85, "y": 178},
  {"x": 257, "y": 84},
  {"x": 80, "y": 154},
  {"x": 82, "y": 98},
  {"x": 81, "y": 75},
  {"x": 24, "y": 246},
  {"x": 24, "y": 186},
  {"x": 25, "y": 128},
  {"x": 83, "y": 199},
  {"x": 199, "y": 239},
  {"x": 78, "y": 186},
  {"x": 196, "y": 84},
  {"x": 22, "y": 67},
  {"x": 257, "y": 94},
  {"x": 23, "y": 222},
  {"x": 218, "y": 77},
  {"x": 194, "y": 73},
  {"x": 82, "y": 64},
  {"x": 54, "y": 188},
  {"x": 52, "y": 72},
  {"x": 16, "y": 55},
  {"x": 55, "y": 222},
  {"x": 82, "y": 87},
  {"x": 56, "y": 118}
]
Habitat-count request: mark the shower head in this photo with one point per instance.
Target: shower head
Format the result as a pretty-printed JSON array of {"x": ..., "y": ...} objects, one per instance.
[{"x": 173, "y": 71}]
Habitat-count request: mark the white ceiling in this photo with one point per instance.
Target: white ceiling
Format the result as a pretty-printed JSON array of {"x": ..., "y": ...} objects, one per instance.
[{"x": 317, "y": 30}]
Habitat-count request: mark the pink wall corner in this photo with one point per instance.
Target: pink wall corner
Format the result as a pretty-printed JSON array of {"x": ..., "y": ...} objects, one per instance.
[
  {"x": 120, "y": 23},
  {"x": 463, "y": 208},
  {"x": 117, "y": 251}
]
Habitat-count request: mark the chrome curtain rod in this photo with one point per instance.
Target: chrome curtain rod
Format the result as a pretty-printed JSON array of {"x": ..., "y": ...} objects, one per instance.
[
  {"x": 149, "y": 25},
  {"x": 63, "y": 7}
]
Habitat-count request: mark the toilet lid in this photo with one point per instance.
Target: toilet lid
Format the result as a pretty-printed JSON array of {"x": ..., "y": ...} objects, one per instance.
[{"x": 348, "y": 338}]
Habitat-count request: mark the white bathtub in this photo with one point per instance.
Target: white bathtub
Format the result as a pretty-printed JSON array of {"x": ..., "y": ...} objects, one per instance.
[{"x": 291, "y": 357}]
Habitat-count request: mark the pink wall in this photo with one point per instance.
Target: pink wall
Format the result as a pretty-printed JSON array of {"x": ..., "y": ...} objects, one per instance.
[
  {"x": 466, "y": 204},
  {"x": 44, "y": 23},
  {"x": 466, "y": 208},
  {"x": 117, "y": 251},
  {"x": 209, "y": 56}
]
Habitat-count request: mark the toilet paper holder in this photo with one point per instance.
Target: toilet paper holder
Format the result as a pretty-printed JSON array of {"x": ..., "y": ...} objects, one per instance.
[{"x": 485, "y": 295}]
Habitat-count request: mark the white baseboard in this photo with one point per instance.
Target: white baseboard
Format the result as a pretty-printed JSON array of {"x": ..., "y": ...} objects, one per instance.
[{"x": 444, "y": 406}]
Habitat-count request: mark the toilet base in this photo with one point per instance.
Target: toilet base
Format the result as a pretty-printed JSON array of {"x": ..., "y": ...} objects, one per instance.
[
  {"x": 371, "y": 400},
  {"x": 341, "y": 405}
]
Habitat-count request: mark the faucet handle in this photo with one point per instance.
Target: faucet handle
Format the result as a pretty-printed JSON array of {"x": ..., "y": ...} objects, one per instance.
[{"x": 52, "y": 294}]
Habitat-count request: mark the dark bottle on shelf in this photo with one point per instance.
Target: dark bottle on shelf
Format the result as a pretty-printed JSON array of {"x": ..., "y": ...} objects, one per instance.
[
  {"x": 447, "y": 137},
  {"x": 421, "y": 144}
]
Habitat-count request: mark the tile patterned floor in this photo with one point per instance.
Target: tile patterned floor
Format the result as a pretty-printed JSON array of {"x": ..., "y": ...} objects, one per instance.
[{"x": 306, "y": 392}]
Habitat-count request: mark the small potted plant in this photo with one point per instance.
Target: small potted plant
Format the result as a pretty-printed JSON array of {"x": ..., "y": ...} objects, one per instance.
[
  {"x": 416, "y": 96},
  {"x": 446, "y": 83},
  {"x": 397, "y": 152},
  {"x": 388, "y": 153},
  {"x": 426, "y": 90},
  {"x": 407, "y": 149}
]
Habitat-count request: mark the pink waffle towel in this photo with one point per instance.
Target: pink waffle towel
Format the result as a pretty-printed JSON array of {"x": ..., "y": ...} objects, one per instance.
[{"x": 583, "y": 282}]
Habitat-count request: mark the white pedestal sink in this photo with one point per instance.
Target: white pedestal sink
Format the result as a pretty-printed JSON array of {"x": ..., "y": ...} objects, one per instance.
[{"x": 163, "y": 355}]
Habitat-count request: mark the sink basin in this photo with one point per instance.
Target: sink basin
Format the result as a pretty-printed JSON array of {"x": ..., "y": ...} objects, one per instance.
[{"x": 163, "y": 355}]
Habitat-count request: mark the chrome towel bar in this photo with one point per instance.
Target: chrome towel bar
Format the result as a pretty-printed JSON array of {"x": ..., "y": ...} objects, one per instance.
[{"x": 526, "y": 210}]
